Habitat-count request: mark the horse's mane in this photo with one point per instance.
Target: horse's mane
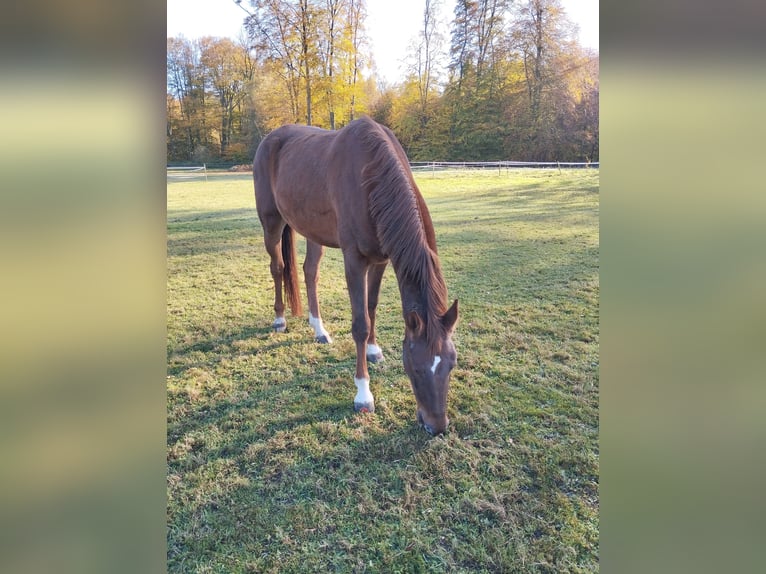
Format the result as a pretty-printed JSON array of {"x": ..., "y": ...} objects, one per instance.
[{"x": 403, "y": 224}]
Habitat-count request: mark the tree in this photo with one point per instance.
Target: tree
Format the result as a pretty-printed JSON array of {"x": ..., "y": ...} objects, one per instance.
[
  {"x": 476, "y": 30},
  {"x": 307, "y": 32},
  {"x": 186, "y": 105},
  {"x": 272, "y": 30},
  {"x": 229, "y": 71},
  {"x": 314, "y": 45},
  {"x": 430, "y": 43},
  {"x": 475, "y": 93},
  {"x": 540, "y": 31},
  {"x": 518, "y": 86},
  {"x": 332, "y": 33},
  {"x": 414, "y": 111},
  {"x": 210, "y": 111},
  {"x": 353, "y": 61}
]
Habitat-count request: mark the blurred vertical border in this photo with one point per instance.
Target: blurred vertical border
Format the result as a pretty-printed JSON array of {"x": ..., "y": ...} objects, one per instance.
[
  {"x": 683, "y": 286},
  {"x": 82, "y": 287}
]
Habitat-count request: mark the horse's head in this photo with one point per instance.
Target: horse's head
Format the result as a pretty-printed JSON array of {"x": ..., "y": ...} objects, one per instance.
[{"x": 429, "y": 371}]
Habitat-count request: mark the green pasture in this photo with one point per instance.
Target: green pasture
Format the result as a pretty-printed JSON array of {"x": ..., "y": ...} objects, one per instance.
[{"x": 270, "y": 470}]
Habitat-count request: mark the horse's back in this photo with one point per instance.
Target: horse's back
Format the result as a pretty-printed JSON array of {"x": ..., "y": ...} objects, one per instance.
[
  {"x": 284, "y": 146},
  {"x": 290, "y": 173},
  {"x": 313, "y": 179}
]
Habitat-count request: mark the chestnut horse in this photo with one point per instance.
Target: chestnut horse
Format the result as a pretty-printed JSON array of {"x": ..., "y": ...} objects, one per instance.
[{"x": 353, "y": 189}]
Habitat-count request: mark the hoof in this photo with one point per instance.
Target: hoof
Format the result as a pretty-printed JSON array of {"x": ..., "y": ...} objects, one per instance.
[
  {"x": 364, "y": 407},
  {"x": 279, "y": 325},
  {"x": 323, "y": 339},
  {"x": 374, "y": 354}
]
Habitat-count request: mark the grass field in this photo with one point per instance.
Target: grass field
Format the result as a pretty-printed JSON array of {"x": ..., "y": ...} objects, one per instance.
[{"x": 269, "y": 468}]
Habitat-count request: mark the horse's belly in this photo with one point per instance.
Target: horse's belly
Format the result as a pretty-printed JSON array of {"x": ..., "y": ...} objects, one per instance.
[{"x": 315, "y": 220}]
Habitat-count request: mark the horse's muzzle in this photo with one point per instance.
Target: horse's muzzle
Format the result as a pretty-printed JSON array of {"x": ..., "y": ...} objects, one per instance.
[{"x": 435, "y": 428}]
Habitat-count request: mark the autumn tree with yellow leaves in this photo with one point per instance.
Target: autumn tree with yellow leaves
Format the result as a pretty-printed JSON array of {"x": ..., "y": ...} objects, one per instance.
[{"x": 484, "y": 80}]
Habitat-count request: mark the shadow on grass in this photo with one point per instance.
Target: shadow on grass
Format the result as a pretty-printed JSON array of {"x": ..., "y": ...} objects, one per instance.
[
  {"x": 531, "y": 270},
  {"x": 301, "y": 511},
  {"x": 195, "y": 232},
  {"x": 219, "y": 348},
  {"x": 311, "y": 391}
]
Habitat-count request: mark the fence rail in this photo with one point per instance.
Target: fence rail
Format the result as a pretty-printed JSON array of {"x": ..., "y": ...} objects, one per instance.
[
  {"x": 190, "y": 172},
  {"x": 443, "y": 165},
  {"x": 187, "y": 172}
]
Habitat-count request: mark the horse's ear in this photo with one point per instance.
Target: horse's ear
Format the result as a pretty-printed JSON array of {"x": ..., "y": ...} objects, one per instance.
[
  {"x": 449, "y": 319},
  {"x": 414, "y": 323}
]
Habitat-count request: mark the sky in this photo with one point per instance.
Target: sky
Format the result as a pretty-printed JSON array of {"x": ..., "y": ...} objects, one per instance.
[{"x": 391, "y": 24}]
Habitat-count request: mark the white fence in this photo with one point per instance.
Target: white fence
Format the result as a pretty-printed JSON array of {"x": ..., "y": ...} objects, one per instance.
[
  {"x": 191, "y": 172},
  {"x": 498, "y": 165}
]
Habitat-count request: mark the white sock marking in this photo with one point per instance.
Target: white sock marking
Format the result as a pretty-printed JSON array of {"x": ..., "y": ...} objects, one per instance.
[
  {"x": 319, "y": 330},
  {"x": 373, "y": 350},
  {"x": 437, "y": 360},
  {"x": 363, "y": 394},
  {"x": 280, "y": 322}
]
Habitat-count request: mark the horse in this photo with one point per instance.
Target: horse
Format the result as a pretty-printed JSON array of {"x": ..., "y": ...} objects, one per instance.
[{"x": 353, "y": 189}]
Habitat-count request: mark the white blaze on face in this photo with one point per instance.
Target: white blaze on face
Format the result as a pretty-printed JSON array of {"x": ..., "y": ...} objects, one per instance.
[{"x": 437, "y": 360}]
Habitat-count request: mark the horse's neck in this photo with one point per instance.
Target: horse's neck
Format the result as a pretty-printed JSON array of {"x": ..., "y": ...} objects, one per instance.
[{"x": 411, "y": 294}]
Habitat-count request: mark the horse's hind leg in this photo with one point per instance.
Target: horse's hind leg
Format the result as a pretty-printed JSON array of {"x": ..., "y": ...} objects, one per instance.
[
  {"x": 374, "y": 279},
  {"x": 314, "y": 253},
  {"x": 272, "y": 238}
]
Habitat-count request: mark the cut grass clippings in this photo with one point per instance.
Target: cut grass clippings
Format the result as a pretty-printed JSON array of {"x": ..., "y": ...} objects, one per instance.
[{"x": 269, "y": 468}]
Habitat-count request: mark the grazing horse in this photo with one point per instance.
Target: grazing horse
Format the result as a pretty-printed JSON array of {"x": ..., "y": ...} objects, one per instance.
[{"x": 353, "y": 189}]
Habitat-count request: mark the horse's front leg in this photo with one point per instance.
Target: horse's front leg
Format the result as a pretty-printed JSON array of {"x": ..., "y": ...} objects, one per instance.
[
  {"x": 314, "y": 253},
  {"x": 356, "y": 280}
]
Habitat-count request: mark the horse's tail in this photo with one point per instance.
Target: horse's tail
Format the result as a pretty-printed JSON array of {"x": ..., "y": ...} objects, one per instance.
[{"x": 290, "y": 272}]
